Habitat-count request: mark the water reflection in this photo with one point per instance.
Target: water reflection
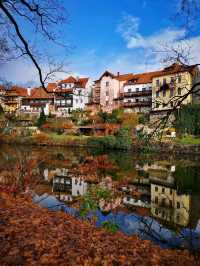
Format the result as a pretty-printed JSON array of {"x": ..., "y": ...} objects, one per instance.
[{"x": 154, "y": 197}]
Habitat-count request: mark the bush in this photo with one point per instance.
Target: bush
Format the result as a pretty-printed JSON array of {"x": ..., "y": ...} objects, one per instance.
[
  {"x": 188, "y": 120},
  {"x": 114, "y": 117},
  {"x": 122, "y": 140},
  {"x": 41, "y": 120},
  {"x": 143, "y": 119}
]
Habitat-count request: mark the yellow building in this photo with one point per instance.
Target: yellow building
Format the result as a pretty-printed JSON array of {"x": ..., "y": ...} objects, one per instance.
[{"x": 170, "y": 84}]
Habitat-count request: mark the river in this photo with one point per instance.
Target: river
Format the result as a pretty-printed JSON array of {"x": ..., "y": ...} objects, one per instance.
[{"x": 155, "y": 196}]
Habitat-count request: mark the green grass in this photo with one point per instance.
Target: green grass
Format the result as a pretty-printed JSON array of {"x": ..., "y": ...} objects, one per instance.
[{"x": 188, "y": 140}]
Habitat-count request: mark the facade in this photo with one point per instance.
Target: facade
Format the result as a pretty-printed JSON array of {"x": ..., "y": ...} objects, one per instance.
[
  {"x": 70, "y": 94},
  {"x": 109, "y": 86},
  {"x": 170, "y": 85},
  {"x": 36, "y": 100},
  {"x": 137, "y": 93},
  {"x": 11, "y": 99}
]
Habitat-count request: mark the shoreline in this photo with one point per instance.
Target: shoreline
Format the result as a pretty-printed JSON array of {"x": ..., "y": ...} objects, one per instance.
[{"x": 82, "y": 141}]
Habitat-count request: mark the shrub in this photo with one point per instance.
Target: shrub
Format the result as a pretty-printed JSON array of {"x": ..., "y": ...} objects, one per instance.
[
  {"x": 122, "y": 140},
  {"x": 188, "y": 120},
  {"x": 41, "y": 120},
  {"x": 144, "y": 119}
]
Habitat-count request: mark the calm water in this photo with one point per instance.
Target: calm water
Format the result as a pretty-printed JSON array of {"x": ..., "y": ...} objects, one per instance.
[{"x": 156, "y": 197}]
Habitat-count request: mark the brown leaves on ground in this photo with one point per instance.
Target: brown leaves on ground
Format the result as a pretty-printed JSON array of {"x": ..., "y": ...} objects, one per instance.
[{"x": 31, "y": 235}]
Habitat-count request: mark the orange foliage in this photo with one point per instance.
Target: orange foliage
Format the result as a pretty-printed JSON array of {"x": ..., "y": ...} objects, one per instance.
[{"x": 31, "y": 235}]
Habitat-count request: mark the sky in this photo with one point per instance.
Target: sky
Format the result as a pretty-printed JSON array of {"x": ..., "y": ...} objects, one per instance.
[{"x": 126, "y": 36}]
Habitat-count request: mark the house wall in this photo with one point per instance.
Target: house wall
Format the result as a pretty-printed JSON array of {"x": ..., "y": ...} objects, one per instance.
[
  {"x": 164, "y": 99},
  {"x": 110, "y": 89}
]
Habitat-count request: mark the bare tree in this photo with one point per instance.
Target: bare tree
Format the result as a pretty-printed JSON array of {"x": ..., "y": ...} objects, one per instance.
[{"x": 43, "y": 19}]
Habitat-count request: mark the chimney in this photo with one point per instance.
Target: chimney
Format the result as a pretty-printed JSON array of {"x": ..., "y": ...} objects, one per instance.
[
  {"x": 118, "y": 73},
  {"x": 29, "y": 91}
]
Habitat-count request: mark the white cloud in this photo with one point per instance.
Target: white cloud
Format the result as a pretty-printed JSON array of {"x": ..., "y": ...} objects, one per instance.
[{"x": 155, "y": 46}]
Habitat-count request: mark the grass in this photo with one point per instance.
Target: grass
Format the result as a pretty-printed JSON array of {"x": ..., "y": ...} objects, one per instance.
[{"x": 188, "y": 140}]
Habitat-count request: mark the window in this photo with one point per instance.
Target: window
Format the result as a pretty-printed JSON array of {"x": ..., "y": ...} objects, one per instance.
[
  {"x": 178, "y": 205},
  {"x": 137, "y": 100},
  {"x": 170, "y": 203},
  {"x": 107, "y": 93},
  {"x": 107, "y": 102},
  {"x": 172, "y": 80},
  {"x": 164, "y": 81},
  {"x": 129, "y": 90},
  {"x": 170, "y": 191},
  {"x": 156, "y": 188},
  {"x": 163, "y": 214},
  {"x": 157, "y": 105},
  {"x": 107, "y": 83},
  {"x": 157, "y": 83},
  {"x": 156, "y": 211},
  {"x": 164, "y": 93},
  {"x": 137, "y": 89},
  {"x": 179, "y": 79},
  {"x": 156, "y": 200},
  {"x": 171, "y": 92},
  {"x": 163, "y": 202},
  {"x": 163, "y": 190},
  {"x": 179, "y": 91},
  {"x": 143, "y": 89}
]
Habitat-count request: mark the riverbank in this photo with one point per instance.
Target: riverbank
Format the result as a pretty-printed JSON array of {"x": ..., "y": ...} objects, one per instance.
[
  {"x": 183, "y": 146},
  {"x": 31, "y": 235}
]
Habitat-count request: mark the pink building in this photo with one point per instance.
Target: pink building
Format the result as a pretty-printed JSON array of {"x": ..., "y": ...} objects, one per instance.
[{"x": 110, "y": 87}]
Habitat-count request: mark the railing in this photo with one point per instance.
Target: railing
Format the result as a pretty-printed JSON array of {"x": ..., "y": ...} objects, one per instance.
[
  {"x": 135, "y": 104},
  {"x": 138, "y": 93}
]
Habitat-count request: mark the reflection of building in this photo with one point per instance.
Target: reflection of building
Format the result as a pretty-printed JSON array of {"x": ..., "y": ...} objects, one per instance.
[
  {"x": 168, "y": 205},
  {"x": 72, "y": 185}
]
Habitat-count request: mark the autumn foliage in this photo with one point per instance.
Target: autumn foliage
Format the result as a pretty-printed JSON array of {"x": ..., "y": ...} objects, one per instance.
[{"x": 31, "y": 235}]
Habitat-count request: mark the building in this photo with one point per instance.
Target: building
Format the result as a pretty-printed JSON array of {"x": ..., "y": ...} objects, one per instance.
[
  {"x": 137, "y": 93},
  {"x": 36, "y": 100},
  {"x": 70, "y": 94},
  {"x": 108, "y": 88},
  {"x": 169, "y": 85},
  {"x": 11, "y": 99}
]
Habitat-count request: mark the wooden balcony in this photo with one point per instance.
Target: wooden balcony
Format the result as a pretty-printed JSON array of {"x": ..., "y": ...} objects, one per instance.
[
  {"x": 136, "y": 94},
  {"x": 137, "y": 104}
]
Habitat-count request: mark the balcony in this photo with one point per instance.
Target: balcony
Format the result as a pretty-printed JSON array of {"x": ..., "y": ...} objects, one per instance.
[
  {"x": 136, "y": 94},
  {"x": 138, "y": 104}
]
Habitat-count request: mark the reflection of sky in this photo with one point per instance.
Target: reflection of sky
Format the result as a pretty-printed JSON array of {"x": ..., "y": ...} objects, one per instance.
[{"x": 132, "y": 224}]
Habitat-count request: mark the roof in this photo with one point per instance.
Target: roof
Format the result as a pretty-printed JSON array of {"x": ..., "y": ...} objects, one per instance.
[
  {"x": 123, "y": 77},
  {"x": 40, "y": 93},
  {"x": 70, "y": 79},
  {"x": 16, "y": 91},
  {"x": 51, "y": 87},
  {"x": 142, "y": 78},
  {"x": 78, "y": 82},
  {"x": 175, "y": 68}
]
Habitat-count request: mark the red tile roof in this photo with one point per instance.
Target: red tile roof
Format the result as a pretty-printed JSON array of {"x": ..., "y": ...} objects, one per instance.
[
  {"x": 51, "y": 87},
  {"x": 16, "y": 91},
  {"x": 40, "y": 93},
  {"x": 142, "y": 78},
  {"x": 176, "y": 68},
  {"x": 68, "y": 80}
]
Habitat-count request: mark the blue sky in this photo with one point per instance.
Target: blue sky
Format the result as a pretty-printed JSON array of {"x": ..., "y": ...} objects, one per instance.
[{"x": 118, "y": 35}]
